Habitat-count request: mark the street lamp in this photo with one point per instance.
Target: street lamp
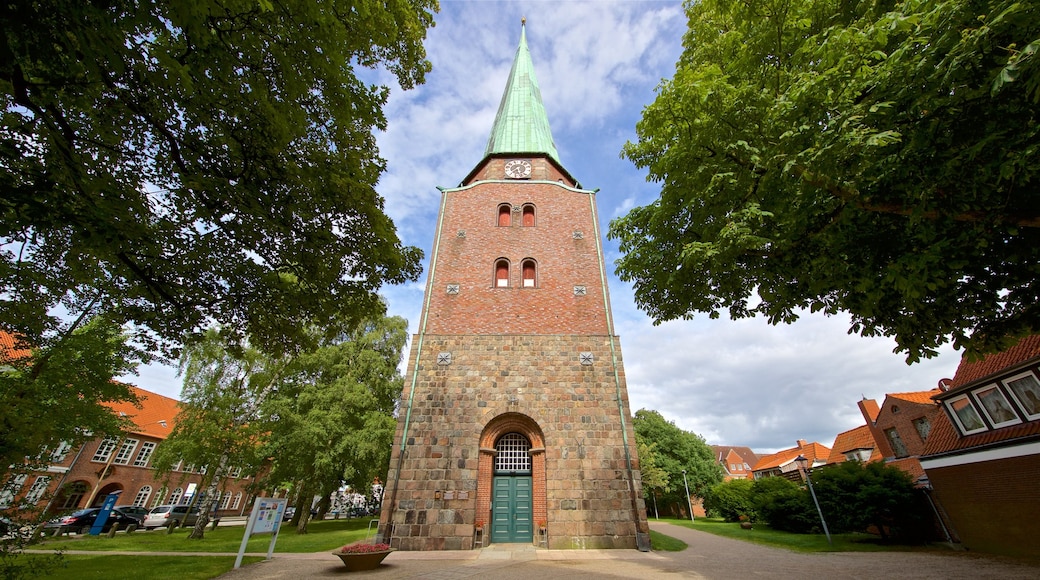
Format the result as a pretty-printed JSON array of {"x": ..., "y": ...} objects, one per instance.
[
  {"x": 803, "y": 467},
  {"x": 688, "y": 502}
]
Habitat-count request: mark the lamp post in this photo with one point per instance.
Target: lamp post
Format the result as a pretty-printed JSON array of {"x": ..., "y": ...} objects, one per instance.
[
  {"x": 688, "y": 502},
  {"x": 803, "y": 467}
]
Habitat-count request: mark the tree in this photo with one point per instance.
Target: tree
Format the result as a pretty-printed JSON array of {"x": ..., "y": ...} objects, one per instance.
[
  {"x": 654, "y": 478},
  {"x": 731, "y": 499},
  {"x": 332, "y": 415},
  {"x": 674, "y": 451},
  {"x": 855, "y": 496},
  {"x": 184, "y": 164},
  {"x": 59, "y": 394},
  {"x": 876, "y": 158},
  {"x": 218, "y": 423}
]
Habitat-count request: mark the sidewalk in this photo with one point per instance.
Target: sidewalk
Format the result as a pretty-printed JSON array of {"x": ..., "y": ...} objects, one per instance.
[{"x": 708, "y": 556}]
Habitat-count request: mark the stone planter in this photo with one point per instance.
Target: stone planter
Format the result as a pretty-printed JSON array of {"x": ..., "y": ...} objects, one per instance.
[{"x": 356, "y": 562}]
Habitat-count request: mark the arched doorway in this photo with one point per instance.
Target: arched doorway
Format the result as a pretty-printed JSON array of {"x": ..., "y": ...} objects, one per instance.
[
  {"x": 511, "y": 491},
  {"x": 511, "y": 478}
]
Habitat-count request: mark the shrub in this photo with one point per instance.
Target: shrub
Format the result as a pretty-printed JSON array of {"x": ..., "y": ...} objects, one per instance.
[
  {"x": 730, "y": 500},
  {"x": 784, "y": 505}
]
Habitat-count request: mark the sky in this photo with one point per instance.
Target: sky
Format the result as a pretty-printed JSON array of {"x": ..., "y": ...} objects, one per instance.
[{"x": 598, "y": 63}]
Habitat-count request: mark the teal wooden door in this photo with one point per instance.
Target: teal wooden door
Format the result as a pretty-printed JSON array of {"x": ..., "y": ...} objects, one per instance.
[{"x": 511, "y": 510}]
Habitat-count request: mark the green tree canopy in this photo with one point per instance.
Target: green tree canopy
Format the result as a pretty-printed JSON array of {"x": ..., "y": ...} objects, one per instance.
[
  {"x": 59, "y": 394},
  {"x": 872, "y": 157},
  {"x": 673, "y": 451},
  {"x": 185, "y": 164},
  {"x": 331, "y": 419}
]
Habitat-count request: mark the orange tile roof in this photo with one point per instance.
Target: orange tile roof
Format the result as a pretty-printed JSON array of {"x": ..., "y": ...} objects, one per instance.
[
  {"x": 745, "y": 453},
  {"x": 920, "y": 397},
  {"x": 812, "y": 451},
  {"x": 156, "y": 416},
  {"x": 858, "y": 438},
  {"x": 9, "y": 350},
  {"x": 910, "y": 465},
  {"x": 944, "y": 436},
  {"x": 968, "y": 372}
]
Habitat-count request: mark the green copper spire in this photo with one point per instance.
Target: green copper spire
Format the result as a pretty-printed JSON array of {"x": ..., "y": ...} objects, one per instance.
[{"x": 521, "y": 125}]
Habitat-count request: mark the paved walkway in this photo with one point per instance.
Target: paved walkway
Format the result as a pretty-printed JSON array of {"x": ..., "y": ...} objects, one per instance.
[{"x": 709, "y": 557}]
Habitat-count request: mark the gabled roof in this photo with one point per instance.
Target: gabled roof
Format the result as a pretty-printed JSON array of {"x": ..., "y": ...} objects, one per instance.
[
  {"x": 745, "y": 453},
  {"x": 846, "y": 441},
  {"x": 156, "y": 415},
  {"x": 919, "y": 397},
  {"x": 521, "y": 125},
  {"x": 814, "y": 452},
  {"x": 971, "y": 371}
]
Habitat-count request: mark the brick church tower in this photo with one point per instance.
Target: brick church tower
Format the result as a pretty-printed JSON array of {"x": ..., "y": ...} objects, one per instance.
[{"x": 514, "y": 420}]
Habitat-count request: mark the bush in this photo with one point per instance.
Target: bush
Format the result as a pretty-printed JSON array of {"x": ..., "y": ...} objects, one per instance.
[
  {"x": 784, "y": 505},
  {"x": 730, "y": 500},
  {"x": 872, "y": 497}
]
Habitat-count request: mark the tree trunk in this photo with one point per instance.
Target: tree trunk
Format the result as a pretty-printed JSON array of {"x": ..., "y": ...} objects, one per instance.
[{"x": 211, "y": 499}]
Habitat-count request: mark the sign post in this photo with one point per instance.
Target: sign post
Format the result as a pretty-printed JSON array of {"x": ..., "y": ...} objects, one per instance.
[
  {"x": 265, "y": 518},
  {"x": 106, "y": 509}
]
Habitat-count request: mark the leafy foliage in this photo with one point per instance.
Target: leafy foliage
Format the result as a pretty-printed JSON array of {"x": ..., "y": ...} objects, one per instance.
[
  {"x": 674, "y": 451},
  {"x": 185, "y": 164},
  {"x": 784, "y": 505},
  {"x": 331, "y": 419},
  {"x": 855, "y": 496},
  {"x": 871, "y": 157},
  {"x": 730, "y": 500},
  {"x": 58, "y": 393}
]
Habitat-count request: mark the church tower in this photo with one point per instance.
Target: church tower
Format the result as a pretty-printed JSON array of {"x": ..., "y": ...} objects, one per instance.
[{"x": 514, "y": 422}]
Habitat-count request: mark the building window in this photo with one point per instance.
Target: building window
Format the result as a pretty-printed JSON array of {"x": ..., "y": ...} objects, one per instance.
[
  {"x": 238, "y": 500},
  {"x": 513, "y": 454},
  {"x": 105, "y": 449},
  {"x": 235, "y": 472},
  {"x": 39, "y": 487},
  {"x": 59, "y": 454},
  {"x": 996, "y": 406},
  {"x": 11, "y": 489},
  {"x": 505, "y": 213},
  {"x": 896, "y": 441},
  {"x": 225, "y": 501},
  {"x": 528, "y": 216},
  {"x": 1025, "y": 389},
  {"x": 144, "y": 454},
  {"x": 502, "y": 273},
  {"x": 175, "y": 497},
  {"x": 123, "y": 457},
  {"x": 923, "y": 426},
  {"x": 142, "y": 496},
  {"x": 964, "y": 413},
  {"x": 528, "y": 270},
  {"x": 159, "y": 497}
]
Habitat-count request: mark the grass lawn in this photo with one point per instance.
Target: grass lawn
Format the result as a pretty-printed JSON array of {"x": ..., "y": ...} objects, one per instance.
[
  {"x": 102, "y": 567},
  {"x": 663, "y": 543},
  {"x": 323, "y": 535},
  {"x": 763, "y": 534}
]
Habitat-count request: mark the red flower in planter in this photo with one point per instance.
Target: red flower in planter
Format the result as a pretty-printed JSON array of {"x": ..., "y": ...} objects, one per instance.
[{"x": 363, "y": 548}]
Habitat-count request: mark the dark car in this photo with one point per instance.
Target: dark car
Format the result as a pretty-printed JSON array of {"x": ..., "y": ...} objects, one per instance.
[
  {"x": 81, "y": 521},
  {"x": 138, "y": 513}
]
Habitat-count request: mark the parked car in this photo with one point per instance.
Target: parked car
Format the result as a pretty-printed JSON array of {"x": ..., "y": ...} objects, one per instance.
[
  {"x": 82, "y": 520},
  {"x": 289, "y": 512},
  {"x": 162, "y": 515},
  {"x": 138, "y": 513}
]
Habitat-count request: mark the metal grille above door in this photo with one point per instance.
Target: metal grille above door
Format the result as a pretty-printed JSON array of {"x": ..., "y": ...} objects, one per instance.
[{"x": 513, "y": 454}]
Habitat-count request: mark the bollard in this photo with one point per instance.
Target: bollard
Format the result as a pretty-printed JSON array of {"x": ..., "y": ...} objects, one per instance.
[
  {"x": 169, "y": 526},
  {"x": 131, "y": 529},
  {"x": 112, "y": 531}
]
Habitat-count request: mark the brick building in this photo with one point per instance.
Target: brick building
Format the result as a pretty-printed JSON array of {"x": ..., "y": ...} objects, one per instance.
[
  {"x": 737, "y": 462},
  {"x": 514, "y": 422},
  {"x": 983, "y": 459}
]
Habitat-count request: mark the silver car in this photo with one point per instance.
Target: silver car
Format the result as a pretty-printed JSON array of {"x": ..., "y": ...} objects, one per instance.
[{"x": 163, "y": 515}]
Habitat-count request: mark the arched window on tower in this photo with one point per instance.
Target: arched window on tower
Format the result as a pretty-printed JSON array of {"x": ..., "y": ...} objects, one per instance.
[
  {"x": 502, "y": 273},
  {"x": 504, "y": 215},
  {"x": 528, "y": 216},
  {"x": 513, "y": 454},
  {"x": 529, "y": 271}
]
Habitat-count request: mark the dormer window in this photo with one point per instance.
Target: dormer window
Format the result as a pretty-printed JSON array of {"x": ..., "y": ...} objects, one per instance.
[
  {"x": 529, "y": 273},
  {"x": 502, "y": 273},
  {"x": 505, "y": 212}
]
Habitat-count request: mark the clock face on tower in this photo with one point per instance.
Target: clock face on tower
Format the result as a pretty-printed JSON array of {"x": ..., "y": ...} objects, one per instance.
[{"x": 518, "y": 168}]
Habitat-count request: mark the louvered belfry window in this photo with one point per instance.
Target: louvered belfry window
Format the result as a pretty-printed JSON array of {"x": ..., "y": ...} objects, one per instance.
[{"x": 513, "y": 454}]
